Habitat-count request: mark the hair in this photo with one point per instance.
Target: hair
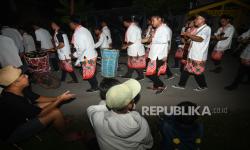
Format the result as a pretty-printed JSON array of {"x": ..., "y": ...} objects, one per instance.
[
  {"x": 192, "y": 18},
  {"x": 186, "y": 119},
  {"x": 105, "y": 85},
  {"x": 56, "y": 21},
  {"x": 98, "y": 28},
  {"x": 157, "y": 16},
  {"x": 204, "y": 15},
  {"x": 227, "y": 17},
  {"x": 75, "y": 19},
  {"x": 127, "y": 19}
]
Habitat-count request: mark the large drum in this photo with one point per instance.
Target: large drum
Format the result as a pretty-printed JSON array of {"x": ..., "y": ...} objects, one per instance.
[
  {"x": 38, "y": 61},
  {"x": 109, "y": 62}
]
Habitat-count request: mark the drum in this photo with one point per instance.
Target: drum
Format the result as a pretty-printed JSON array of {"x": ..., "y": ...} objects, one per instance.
[
  {"x": 37, "y": 61},
  {"x": 109, "y": 62}
]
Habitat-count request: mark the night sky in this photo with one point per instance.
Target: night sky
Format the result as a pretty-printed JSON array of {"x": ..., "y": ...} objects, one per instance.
[{"x": 16, "y": 10}]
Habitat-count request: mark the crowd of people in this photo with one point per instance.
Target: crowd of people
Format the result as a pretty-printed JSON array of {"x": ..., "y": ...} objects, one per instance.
[{"x": 115, "y": 120}]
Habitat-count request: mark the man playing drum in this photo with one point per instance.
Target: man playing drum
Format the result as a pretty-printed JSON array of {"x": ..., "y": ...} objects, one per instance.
[
  {"x": 85, "y": 52},
  {"x": 135, "y": 49},
  {"x": 62, "y": 47}
]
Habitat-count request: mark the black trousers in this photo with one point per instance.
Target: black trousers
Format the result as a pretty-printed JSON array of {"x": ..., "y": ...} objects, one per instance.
[
  {"x": 131, "y": 70},
  {"x": 154, "y": 78},
  {"x": 242, "y": 72},
  {"x": 54, "y": 63},
  {"x": 93, "y": 82},
  {"x": 200, "y": 79},
  {"x": 217, "y": 62},
  {"x": 72, "y": 74},
  {"x": 169, "y": 72}
]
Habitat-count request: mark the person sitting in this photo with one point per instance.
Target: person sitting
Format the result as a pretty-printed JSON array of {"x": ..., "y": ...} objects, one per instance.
[
  {"x": 105, "y": 85},
  {"x": 117, "y": 125},
  {"x": 24, "y": 113},
  {"x": 181, "y": 132}
]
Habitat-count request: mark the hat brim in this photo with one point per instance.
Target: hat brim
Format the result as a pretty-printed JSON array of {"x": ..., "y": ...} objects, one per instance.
[{"x": 134, "y": 86}]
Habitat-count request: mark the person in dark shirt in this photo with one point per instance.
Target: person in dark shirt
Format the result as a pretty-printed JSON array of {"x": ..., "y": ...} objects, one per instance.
[{"x": 23, "y": 113}]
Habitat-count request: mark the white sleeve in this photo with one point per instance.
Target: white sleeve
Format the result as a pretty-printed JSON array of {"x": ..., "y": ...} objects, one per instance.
[
  {"x": 80, "y": 49},
  {"x": 204, "y": 34},
  {"x": 38, "y": 38},
  {"x": 229, "y": 32},
  {"x": 100, "y": 41},
  {"x": 217, "y": 32},
  {"x": 109, "y": 37},
  {"x": 91, "y": 110},
  {"x": 162, "y": 38},
  {"x": 245, "y": 34},
  {"x": 132, "y": 35}
]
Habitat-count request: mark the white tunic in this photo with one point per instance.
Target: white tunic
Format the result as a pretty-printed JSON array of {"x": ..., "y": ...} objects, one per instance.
[
  {"x": 160, "y": 43},
  {"x": 246, "y": 52},
  {"x": 133, "y": 34},
  {"x": 114, "y": 131},
  {"x": 15, "y": 36},
  {"x": 29, "y": 44},
  {"x": 225, "y": 44},
  {"x": 63, "y": 53},
  {"x": 198, "y": 50},
  {"x": 170, "y": 37},
  {"x": 9, "y": 52},
  {"x": 43, "y": 36},
  {"x": 102, "y": 42},
  {"x": 84, "y": 44},
  {"x": 106, "y": 31}
]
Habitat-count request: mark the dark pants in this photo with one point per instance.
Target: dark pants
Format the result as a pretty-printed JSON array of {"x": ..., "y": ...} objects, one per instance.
[
  {"x": 217, "y": 62},
  {"x": 54, "y": 63},
  {"x": 72, "y": 74},
  {"x": 154, "y": 78},
  {"x": 242, "y": 71},
  {"x": 93, "y": 82},
  {"x": 131, "y": 70},
  {"x": 200, "y": 79},
  {"x": 176, "y": 62},
  {"x": 169, "y": 72}
]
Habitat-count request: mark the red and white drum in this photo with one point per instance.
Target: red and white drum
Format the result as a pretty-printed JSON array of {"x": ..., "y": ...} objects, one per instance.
[{"x": 38, "y": 61}]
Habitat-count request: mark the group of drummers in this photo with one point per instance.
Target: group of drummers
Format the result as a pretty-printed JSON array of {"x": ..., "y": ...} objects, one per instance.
[{"x": 147, "y": 53}]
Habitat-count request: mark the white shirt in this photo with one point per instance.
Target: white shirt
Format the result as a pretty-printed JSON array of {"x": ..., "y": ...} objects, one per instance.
[
  {"x": 43, "y": 36},
  {"x": 63, "y": 53},
  {"x": 102, "y": 41},
  {"x": 148, "y": 31},
  {"x": 29, "y": 44},
  {"x": 246, "y": 52},
  {"x": 15, "y": 35},
  {"x": 84, "y": 44},
  {"x": 170, "y": 37},
  {"x": 107, "y": 32},
  {"x": 133, "y": 34},
  {"x": 198, "y": 50},
  {"x": 225, "y": 44},
  {"x": 114, "y": 131},
  {"x": 9, "y": 52},
  {"x": 160, "y": 43}
]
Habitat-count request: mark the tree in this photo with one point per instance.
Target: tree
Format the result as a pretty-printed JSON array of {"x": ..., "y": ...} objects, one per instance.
[
  {"x": 73, "y": 7},
  {"x": 162, "y": 6}
]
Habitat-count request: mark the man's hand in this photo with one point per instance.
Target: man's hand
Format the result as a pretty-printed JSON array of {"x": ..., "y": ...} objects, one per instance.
[
  {"x": 51, "y": 50},
  {"x": 66, "y": 96},
  {"x": 186, "y": 34},
  {"x": 124, "y": 46}
]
